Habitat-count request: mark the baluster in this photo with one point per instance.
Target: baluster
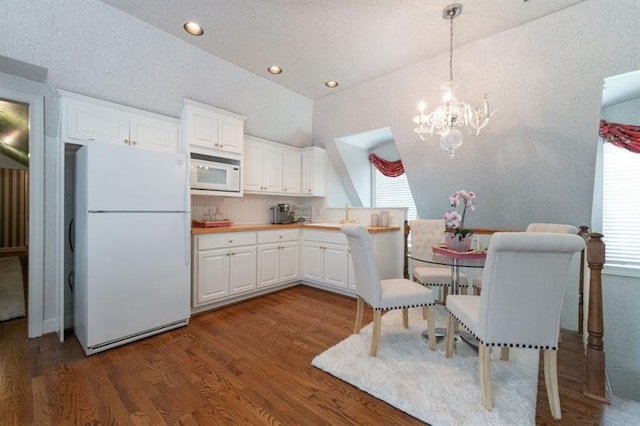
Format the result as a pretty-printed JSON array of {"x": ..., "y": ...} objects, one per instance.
[
  {"x": 406, "y": 250},
  {"x": 594, "y": 387},
  {"x": 584, "y": 233}
]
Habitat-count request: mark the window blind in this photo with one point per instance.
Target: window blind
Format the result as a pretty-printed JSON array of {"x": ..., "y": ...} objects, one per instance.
[
  {"x": 394, "y": 192},
  {"x": 621, "y": 206}
]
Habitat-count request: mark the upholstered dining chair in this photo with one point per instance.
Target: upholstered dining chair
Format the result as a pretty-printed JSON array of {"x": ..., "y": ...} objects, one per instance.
[
  {"x": 383, "y": 295},
  {"x": 525, "y": 276},
  {"x": 533, "y": 227},
  {"x": 426, "y": 233}
]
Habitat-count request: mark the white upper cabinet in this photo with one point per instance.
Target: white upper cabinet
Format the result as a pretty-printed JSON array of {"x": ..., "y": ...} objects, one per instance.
[
  {"x": 313, "y": 171},
  {"x": 210, "y": 130},
  {"x": 275, "y": 168},
  {"x": 85, "y": 120},
  {"x": 291, "y": 171},
  {"x": 262, "y": 166}
]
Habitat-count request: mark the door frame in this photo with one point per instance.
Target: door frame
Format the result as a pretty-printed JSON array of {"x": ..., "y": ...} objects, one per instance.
[{"x": 36, "y": 206}]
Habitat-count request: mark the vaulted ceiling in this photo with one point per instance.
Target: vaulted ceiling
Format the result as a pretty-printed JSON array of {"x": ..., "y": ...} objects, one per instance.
[{"x": 349, "y": 41}]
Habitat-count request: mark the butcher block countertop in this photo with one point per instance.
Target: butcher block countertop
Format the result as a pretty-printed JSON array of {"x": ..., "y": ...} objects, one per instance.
[{"x": 270, "y": 227}]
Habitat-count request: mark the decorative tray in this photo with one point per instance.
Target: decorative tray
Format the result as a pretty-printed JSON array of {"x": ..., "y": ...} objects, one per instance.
[
  {"x": 471, "y": 254},
  {"x": 210, "y": 224}
]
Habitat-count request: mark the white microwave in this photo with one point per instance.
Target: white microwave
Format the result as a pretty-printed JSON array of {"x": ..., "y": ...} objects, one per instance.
[{"x": 214, "y": 173}]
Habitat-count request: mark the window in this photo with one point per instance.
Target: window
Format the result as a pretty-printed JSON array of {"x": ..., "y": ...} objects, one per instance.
[
  {"x": 393, "y": 192},
  {"x": 620, "y": 207}
]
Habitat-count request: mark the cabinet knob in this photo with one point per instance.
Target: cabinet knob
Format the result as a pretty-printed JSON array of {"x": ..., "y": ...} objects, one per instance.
[
  {"x": 134, "y": 143},
  {"x": 230, "y": 241},
  {"x": 126, "y": 141}
]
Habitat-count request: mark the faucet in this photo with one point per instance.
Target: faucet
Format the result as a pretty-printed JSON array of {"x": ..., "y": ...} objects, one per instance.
[{"x": 346, "y": 215}]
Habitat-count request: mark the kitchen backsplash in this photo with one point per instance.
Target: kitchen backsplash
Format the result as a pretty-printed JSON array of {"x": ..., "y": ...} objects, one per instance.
[{"x": 251, "y": 209}]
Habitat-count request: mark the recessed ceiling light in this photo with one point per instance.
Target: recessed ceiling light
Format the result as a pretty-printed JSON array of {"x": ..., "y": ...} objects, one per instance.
[
  {"x": 331, "y": 84},
  {"x": 274, "y": 69},
  {"x": 193, "y": 28}
]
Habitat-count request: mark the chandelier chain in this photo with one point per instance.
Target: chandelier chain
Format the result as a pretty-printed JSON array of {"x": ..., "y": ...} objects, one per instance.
[{"x": 451, "y": 16}]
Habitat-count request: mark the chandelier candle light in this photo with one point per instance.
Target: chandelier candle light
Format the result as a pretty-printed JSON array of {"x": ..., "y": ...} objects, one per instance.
[{"x": 453, "y": 112}]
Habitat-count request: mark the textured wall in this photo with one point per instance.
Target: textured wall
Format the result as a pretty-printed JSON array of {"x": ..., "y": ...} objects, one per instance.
[{"x": 535, "y": 160}]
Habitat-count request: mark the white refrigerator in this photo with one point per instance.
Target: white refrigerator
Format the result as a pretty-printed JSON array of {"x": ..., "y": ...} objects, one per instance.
[{"x": 132, "y": 233}]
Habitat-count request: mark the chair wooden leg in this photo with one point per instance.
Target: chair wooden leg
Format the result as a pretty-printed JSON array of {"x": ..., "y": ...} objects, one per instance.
[
  {"x": 359, "y": 315},
  {"x": 425, "y": 313},
  {"x": 476, "y": 291},
  {"x": 504, "y": 353},
  {"x": 445, "y": 292},
  {"x": 431, "y": 327},
  {"x": 448, "y": 341},
  {"x": 551, "y": 380},
  {"x": 484, "y": 358},
  {"x": 377, "y": 315},
  {"x": 405, "y": 317}
]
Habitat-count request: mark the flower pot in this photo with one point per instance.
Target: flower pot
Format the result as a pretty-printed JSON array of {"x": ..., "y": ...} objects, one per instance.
[{"x": 457, "y": 242}]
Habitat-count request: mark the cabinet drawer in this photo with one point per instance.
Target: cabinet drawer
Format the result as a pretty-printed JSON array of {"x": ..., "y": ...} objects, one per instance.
[
  {"x": 335, "y": 237},
  {"x": 277, "y": 236},
  {"x": 232, "y": 239}
]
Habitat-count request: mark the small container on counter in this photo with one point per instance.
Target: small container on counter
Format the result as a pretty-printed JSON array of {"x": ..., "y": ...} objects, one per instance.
[
  {"x": 375, "y": 220},
  {"x": 384, "y": 218}
]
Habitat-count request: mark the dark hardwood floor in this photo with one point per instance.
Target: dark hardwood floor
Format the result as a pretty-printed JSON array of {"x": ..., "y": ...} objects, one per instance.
[{"x": 245, "y": 364}]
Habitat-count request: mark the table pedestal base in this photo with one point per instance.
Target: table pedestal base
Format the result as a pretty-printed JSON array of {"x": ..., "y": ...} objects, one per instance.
[{"x": 440, "y": 333}]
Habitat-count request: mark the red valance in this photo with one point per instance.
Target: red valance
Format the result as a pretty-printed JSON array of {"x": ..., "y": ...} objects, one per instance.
[
  {"x": 387, "y": 168},
  {"x": 625, "y": 136}
]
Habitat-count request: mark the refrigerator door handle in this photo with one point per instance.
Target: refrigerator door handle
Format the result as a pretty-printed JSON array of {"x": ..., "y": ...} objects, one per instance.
[{"x": 187, "y": 238}]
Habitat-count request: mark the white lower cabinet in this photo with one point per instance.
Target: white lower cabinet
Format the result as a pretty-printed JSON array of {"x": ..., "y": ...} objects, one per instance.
[
  {"x": 325, "y": 258},
  {"x": 231, "y": 266},
  {"x": 278, "y": 257},
  {"x": 224, "y": 265}
]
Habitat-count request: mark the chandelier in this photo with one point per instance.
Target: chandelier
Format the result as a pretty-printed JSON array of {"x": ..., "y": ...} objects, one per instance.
[{"x": 452, "y": 113}]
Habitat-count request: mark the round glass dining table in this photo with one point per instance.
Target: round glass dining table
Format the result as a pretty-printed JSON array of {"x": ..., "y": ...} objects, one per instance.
[
  {"x": 473, "y": 259},
  {"x": 455, "y": 260}
]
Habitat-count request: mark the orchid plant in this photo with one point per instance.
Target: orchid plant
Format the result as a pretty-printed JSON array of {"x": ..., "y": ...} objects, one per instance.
[{"x": 452, "y": 219}]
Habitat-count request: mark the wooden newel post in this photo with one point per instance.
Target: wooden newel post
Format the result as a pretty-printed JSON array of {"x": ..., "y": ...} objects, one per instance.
[
  {"x": 405, "y": 269},
  {"x": 594, "y": 387},
  {"x": 584, "y": 233}
]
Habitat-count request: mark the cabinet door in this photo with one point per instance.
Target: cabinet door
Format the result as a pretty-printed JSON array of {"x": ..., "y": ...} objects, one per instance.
[
  {"x": 242, "y": 269},
  {"x": 307, "y": 173},
  {"x": 268, "y": 264},
  {"x": 313, "y": 261},
  {"x": 202, "y": 128},
  {"x": 230, "y": 134},
  {"x": 151, "y": 133},
  {"x": 291, "y": 168},
  {"x": 313, "y": 171},
  {"x": 272, "y": 168},
  {"x": 212, "y": 276},
  {"x": 335, "y": 264},
  {"x": 86, "y": 122},
  {"x": 289, "y": 261},
  {"x": 252, "y": 167}
]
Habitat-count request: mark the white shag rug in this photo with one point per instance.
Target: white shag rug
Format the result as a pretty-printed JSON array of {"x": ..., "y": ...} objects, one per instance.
[
  {"x": 429, "y": 386},
  {"x": 11, "y": 290}
]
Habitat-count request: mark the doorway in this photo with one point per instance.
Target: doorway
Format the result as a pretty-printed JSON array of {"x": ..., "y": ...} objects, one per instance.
[{"x": 22, "y": 172}]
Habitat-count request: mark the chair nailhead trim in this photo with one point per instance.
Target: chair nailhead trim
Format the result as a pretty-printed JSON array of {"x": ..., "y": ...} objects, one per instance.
[
  {"x": 439, "y": 284},
  {"x": 510, "y": 345},
  {"x": 419, "y": 305}
]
